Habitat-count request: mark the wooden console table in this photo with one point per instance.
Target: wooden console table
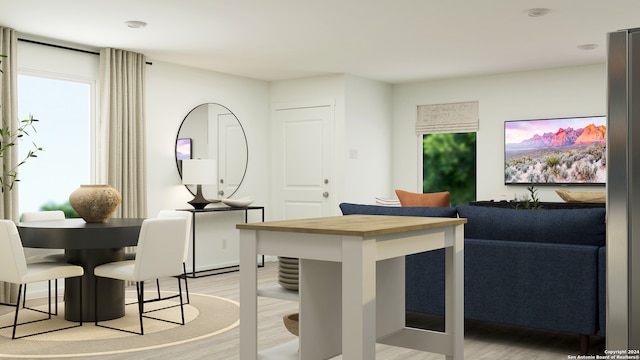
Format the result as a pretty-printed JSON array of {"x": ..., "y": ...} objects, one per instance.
[
  {"x": 352, "y": 284},
  {"x": 201, "y": 273}
]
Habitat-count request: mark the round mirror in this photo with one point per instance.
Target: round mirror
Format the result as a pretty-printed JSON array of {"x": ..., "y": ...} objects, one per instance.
[{"x": 212, "y": 131}]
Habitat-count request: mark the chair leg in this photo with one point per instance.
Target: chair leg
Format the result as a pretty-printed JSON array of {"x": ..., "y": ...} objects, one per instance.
[
  {"x": 24, "y": 297},
  {"x": 140, "y": 293},
  {"x": 181, "y": 304},
  {"x": 158, "y": 287},
  {"x": 80, "y": 297},
  {"x": 56, "y": 298},
  {"x": 21, "y": 298},
  {"x": 15, "y": 319},
  {"x": 186, "y": 284},
  {"x": 49, "y": 298},
  {"x": 139, "y": 296},
  {"x": 95, "y": 300}
]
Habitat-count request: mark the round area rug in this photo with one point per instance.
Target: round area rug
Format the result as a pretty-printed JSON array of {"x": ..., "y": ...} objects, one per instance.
[{"x": 205, "y": 316}]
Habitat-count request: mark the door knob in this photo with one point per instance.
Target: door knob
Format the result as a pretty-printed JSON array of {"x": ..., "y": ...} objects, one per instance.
[{"x": 325, "y": 194}]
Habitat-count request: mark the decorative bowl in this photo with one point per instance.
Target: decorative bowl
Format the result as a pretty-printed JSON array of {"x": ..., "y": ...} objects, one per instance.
[
  {"x": 291, "y": 323},
  {"x": 238, "y": 203}
]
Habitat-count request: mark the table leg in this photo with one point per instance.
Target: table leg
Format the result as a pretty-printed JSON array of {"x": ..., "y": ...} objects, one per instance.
[
  {"x": 111, "y": 291},
  {"x": 358, "y": 298},
  {"x": 320, "y": 309},
  {"x": 248, "y": 295},
  {"x": 390, "y": 296},
  {"x": 454, "y": 292}
]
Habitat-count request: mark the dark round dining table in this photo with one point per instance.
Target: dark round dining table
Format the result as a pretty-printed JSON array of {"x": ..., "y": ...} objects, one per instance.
[{"x": 87, "y": 245}]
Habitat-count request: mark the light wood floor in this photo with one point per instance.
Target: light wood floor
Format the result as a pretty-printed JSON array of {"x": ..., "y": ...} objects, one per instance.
[{"x": 482, "y": 340}]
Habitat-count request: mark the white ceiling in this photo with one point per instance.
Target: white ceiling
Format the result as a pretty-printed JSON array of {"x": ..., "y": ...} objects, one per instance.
[{"x": 392, "y": 41}]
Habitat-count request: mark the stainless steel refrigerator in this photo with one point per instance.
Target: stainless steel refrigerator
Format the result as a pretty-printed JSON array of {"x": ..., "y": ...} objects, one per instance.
[{"x": 623, "y": 191}]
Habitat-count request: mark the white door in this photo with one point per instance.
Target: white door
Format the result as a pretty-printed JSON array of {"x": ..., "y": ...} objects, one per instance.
[{"x": 303, "y": 151}]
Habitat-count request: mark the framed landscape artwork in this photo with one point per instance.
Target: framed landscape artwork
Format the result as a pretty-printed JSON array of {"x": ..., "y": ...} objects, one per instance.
[
  {"x": 557, "y": 151},
  {"x": 183, "y": 148}
]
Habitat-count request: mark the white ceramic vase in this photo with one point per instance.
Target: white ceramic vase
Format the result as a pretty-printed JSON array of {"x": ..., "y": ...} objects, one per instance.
[{"x": 95, "y": 203}]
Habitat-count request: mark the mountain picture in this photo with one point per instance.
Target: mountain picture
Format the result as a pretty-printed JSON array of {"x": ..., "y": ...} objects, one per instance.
[{"x": 574, "y": 152}]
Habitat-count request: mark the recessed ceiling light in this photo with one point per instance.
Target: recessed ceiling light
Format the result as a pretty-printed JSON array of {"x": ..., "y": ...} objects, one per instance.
[
  {"x": 538, "y": 12},
  {"x": 587, "y": 46},
  {"x": 134, "y": 24}
]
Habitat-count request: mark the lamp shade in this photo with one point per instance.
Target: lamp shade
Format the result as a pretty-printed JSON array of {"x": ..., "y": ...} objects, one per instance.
[{"x": 199, "y": 171}]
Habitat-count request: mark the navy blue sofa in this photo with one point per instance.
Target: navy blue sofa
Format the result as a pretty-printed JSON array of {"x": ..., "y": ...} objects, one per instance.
[{"x": 541, "y": 269}]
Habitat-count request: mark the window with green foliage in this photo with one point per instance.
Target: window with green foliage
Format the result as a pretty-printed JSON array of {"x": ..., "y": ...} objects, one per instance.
[
  {"x": 449, "y": 164},
  {"x": 63, "y": 106}
]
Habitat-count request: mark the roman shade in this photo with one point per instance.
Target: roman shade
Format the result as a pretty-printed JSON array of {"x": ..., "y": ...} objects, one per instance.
[{"x": 458, "y": 117}]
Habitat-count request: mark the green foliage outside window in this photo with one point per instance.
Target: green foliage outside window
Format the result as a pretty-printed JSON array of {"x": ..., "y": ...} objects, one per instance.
[
  {"x": 69, "y": 212},
  {"x": 449, "y": 164}
]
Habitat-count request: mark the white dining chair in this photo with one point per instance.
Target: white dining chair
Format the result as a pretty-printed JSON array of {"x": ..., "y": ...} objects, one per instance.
[
  {"x": 40, "y": 255},
  {"x": 187, "y": 238},
  {"x": 159, "y": 255},
  {"x": 14, "y": 269}
]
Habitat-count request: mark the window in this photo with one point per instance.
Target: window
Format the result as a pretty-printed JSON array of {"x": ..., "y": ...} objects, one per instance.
[
  {"x": 63, "y": 107},
  {"x": 449, "y": 164}
]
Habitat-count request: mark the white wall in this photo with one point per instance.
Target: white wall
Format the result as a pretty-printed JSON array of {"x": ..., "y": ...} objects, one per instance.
[
  {"x": 362, "y": 131},
  {"x": 367, "y": 153},
  {"x": 171, "y": 92},
  {"x": 55, "y": 61},
  {"x": 572, "y": 91}
]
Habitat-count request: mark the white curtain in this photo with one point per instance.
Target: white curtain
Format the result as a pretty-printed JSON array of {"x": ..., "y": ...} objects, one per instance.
[
  {"x": 121, "y": 128},
  {"x": 9, "y": 114}
]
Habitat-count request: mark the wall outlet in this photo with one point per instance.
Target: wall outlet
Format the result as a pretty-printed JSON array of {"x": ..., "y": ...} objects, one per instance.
[{"x": 224, "y": 243}]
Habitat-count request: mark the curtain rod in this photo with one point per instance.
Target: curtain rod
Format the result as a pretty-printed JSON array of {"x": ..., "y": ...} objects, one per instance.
[{"x": 66, "y": 48}]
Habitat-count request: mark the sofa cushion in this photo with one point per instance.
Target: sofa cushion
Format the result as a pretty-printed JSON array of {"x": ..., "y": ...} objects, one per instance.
[
  {"x": 563, "y": 226},
  {"x": 348, "y": 209},
  {"x": 532, "y": 284},
  {"x": 436, "y": 199},
  {"x": 518, "y": 283}
]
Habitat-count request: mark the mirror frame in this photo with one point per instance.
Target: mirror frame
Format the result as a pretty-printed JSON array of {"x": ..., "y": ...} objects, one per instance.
[{"x": 246, "y": 144}]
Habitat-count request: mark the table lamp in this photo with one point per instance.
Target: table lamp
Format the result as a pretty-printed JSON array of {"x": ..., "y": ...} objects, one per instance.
[{"x": 199, "y": 172}]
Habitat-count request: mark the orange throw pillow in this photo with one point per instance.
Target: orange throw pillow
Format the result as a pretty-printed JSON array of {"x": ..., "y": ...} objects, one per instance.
[{"x": 438, "y": 199}]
